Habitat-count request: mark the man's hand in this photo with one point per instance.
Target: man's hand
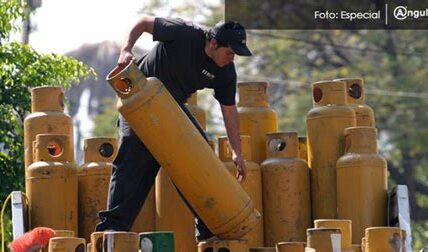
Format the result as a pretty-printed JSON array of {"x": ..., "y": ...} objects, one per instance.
[
  {"x": 124, "y": 58},
  {"x": 241, "y": 168}
]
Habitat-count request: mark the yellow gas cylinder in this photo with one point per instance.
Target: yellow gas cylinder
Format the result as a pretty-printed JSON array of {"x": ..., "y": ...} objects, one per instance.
[
  {"x": 256, "y": 118},
  {"x": 324, "y": 239},
  {"x": 67, "y": 244},
  {"x": 381, "y": 239},
  {"x": 303, "y": 148},
  {"x": 47, "y": 116},
  {"x": 286, "y": 191},
  {"x": 121, "y": 242},
  {"x": 290, "y": 247},
  {"x": 252, "y": 184},
  {"x": 172, "y": 214},
  {"x": 355, "y": 98},
  {"x": 60, "y": 233},
  {"x": 94, "y": 179},
  {"x": 345, "y": 227},
  {"x": 146, "y": 219},
  {"x": 361, "y": 182},
  {"x": 52, "y": 184},
  {"x": 262, "y": 249},
  {"x": 197, "y": 111},
  {"x": 230, "y": 245},
  {"x": 205, "y": 247},
  {"x": 325, "y": 123},
  {"x": 97, "y": 242},
  {"x": 181, "y": 150}
]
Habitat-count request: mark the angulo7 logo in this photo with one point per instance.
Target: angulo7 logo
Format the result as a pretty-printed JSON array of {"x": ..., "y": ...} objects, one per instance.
[{"x": 401, "y": 13}]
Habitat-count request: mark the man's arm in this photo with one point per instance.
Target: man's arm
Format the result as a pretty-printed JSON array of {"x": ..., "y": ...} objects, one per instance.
[
  {"x": 231, "y": 122},
  {"x": 145, "y": 24}
]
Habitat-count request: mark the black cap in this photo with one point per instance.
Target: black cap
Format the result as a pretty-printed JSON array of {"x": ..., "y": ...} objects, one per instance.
[{"x": 233, "y": 34}]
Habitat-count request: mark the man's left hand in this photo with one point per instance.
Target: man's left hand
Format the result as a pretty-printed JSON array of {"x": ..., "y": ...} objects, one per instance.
[{"x": 241, "y": 168}]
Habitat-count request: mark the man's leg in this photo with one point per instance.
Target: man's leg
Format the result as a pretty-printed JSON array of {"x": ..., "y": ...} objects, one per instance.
[
  {"x": 133, "y": 175},
  {"x": 201, "y": 230}
]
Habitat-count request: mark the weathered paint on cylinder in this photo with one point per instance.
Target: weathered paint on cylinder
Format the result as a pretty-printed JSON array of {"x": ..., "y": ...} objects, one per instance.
[
  {"x": 290, "y": 246},
  {"x": 146, "y": 219},
  {"x": 361, "y": 182},
  {"x": 303, "y": 148},
  {"x": 324, "y": 239},
  {"x": 230, "y": 246},
  {"x": 67, "y": 244},
  {"x": 120, "y": 241},
  {"x": 97, "y": 242},
  {"x": 355, "y": 96},
  {"x": 262, "y": 249},
  {"x": 162, "y": 241},
  {"x": 380, "y": 239},
  {"x": 345, "y": 227},
  {"x": 52, "y": 184},
  {"x": 94, "y": 179},
  {"x": 252, "y": 184},
  {"x": 200, "y": 175},
  {"x": 286, "y": 191},
  {"x": 173, "y": 214},
  {"x": 256, "y": 118},
  {"x": 325, "y": 124},
  {"x": 47, "y": 116},
  {"x": 197, "y": 111}
]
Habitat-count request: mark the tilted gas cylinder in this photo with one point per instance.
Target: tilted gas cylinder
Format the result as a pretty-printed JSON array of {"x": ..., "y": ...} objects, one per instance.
[
  {"x": 324, "y": 239},
  {"x": 181, "y": 150},
  {"x": 47, "y": 117},
  {"x": 286, "y": 191},
  {"x": 52, "y": 184},
  {"x": 197, "y": 111},
  {"x": 361, "y": 182},
  {"x": 325, "y": 123},
  {"x": 355, "y": 97},
  {"x": 172, "y": 213},
  {"x": 94, "y": 179},
  {"x": 256, "y": 118},
  {"x": 252, "y": 184}
]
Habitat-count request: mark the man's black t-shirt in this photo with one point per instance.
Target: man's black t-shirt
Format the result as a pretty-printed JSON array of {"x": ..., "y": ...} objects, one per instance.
[{"x": 180, "y": 62}]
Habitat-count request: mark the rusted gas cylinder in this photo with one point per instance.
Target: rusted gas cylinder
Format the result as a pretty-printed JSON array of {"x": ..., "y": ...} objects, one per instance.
[
  {"x": 172, "y": 214},
  {"x": 47, "y": 117},
  {"x": 200, "y": 175},
  {"x": 286, "y": 191},
  {"x": 345, "y": 227},
  {"x": 361, "y": 182},
  {"x": 290, "y": 247},
  {"x": 197, "y": 111},
  {"x": 67, "y": 244},
  {"x": 97, "y": 242},
  {"x": 252, "y": 184},
  {"x": 94, "y": 179},
  {"x": 303, "y": 148},
  {"x": 355, "y": 97},
  {"x": 325, "y": 123},
  {"x": 52, "y": 184},
  {"x": 324, "y": 239},
  {"x": 384, "y": 239},
  {"x": 171, "y": 211},
  {"x": 120, "y": 242},
  {"x": 256, "y": 118}
]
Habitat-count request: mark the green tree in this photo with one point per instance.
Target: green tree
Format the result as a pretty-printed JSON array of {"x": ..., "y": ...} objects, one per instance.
[{"x": 22, "y": 68}]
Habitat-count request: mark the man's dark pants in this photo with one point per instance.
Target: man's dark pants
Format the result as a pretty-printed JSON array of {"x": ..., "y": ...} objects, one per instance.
[{"x": 133, "y": 175}]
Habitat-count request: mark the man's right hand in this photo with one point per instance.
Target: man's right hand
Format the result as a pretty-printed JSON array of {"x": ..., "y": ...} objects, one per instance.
[{"x": 125, "y": 57}]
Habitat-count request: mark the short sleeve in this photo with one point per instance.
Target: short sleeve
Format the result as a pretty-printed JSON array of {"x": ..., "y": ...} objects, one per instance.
[
  {"x": 226, "y": 94},
  {"x": 169, "y": 29}
]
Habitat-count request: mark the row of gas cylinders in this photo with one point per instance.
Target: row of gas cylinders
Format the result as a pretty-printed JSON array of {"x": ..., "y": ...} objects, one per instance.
[{"x": 328, "y": 236}]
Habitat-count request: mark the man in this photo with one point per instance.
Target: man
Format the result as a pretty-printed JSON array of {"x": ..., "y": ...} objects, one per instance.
[{"x": 187, "y": 58}]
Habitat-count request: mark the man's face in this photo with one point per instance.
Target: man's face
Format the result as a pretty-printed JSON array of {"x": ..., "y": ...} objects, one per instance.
[{"x": 222, "y": 56}]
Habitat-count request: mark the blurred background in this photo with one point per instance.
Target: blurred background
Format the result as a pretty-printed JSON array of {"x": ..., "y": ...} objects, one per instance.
[{"x": 392, "y": 63}]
